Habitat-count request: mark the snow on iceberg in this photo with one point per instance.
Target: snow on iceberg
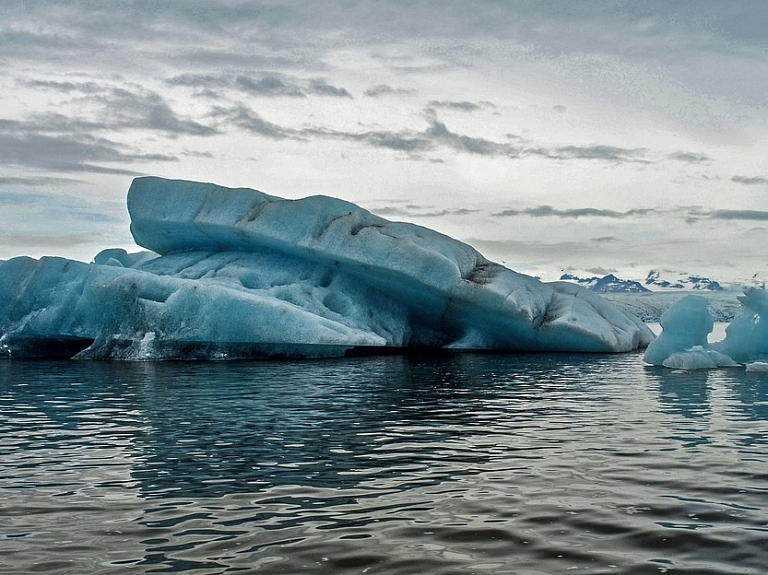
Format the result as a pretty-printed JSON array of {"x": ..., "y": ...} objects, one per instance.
[{"x": 239, "y": 273}]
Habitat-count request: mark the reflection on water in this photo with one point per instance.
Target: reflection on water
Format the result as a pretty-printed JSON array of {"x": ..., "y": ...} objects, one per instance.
[{"x": 449, "y": 464}]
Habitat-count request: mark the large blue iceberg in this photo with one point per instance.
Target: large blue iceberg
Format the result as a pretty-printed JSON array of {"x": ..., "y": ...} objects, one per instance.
[{"x": 239, "y": 273}]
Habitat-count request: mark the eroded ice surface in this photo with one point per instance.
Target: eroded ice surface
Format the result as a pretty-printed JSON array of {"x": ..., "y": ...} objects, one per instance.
[{"x": 235, "y": 272}]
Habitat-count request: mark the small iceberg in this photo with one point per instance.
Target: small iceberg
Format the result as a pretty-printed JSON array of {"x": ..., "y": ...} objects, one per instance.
[{"x": 683, "y": 344}]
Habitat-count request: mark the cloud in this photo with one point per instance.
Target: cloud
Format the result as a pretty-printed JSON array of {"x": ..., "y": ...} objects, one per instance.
[
  {"x": 601, "y": 271},
  {"x": 246, "y": 119},
  {"x": 323, "y": 88},
  {"x": 201, "y": 80},
  {"x": 595, "y": 152},
  {"x": 689, "y": 214},
  {"x": 69, "y": 153},
  {"x": 34, "y": 181},
  {"x": 403, "y": 141},
  {"x": 750, "y": 181},
  {"x": 261, "y": 84},
  {"x": 463, "y": 105},
  {"x": 269, "y": 85},
  {"x": 411, "y": 142},
  {"x": 440, "y": 134},
  {"x": 386, "y": 90},
  {"x": 49, "y": 243},
  {"x": 196, "y": 154},
  {"x": 115, "y": 108},
  {"x": 739, "y": 215},
  {"x": 435, "y": 136},
  {"x": 421, "y": 212},
  {"x": 123, "y": 108},
  {"x": 65, "y": 87},
  {"x": 690, "y": 158},
  {"x": 549, "y": 211}
]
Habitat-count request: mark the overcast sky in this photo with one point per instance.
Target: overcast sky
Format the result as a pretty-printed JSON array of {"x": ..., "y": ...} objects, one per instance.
[{"x": 600, "y": 135}]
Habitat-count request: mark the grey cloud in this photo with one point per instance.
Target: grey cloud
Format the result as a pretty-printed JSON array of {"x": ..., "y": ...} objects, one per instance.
[
  {"x": 441, "y": 134},
  {"x": 124, "y": 108},
  {"x": 435, "y": 136},
  {"x": 244, "y": 118},
  {"x": 50, "y": 123},
  {"x": 386, "y": 90},
  {"x": 196, "y": 154},
  {"x": 66, "y": 87},
  {"x": 246, "y": 57},
  {"x": 34, "y": 181},
  {"x": 24, "y": 44},
  {"x": 549, "y": 211},
  {"x": 114, "y": 108},
  {"x": 739, "y": 215},
  {"x": 750, "y": 181},
  {"x": 601, "y": 271},
  {"x": 451, "y": 212},
  {"x": 419, "y": 211},
  {"x": 323, "y": 88},
  {"x": 269, "y": 85},
  {"x": 69, "y": 153},
  {"x": 463, "y": 105},
  {"x": 51, "y": 243},
  {"x": 404, "y": 141},
  {"x": 596, "y": 152},
  {"x": 262, "y": 84},
  {"x": 690, "y": 157},
  {"x": 691, "y": 214},
  {"x": 199, "y": 80},
  {"x": 627, "y": 30}
]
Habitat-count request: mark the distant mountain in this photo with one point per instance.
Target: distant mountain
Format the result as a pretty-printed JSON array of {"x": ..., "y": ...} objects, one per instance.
[
  {"x": 681, "y": 281},
  {"x": 607, "y": 284}
]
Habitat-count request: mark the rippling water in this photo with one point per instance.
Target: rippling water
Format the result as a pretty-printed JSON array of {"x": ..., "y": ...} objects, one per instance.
[{"x": 530, "y": 464}]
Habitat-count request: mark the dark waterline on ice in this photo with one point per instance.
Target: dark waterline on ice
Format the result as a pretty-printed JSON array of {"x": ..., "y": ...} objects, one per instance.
[{"x": 396, "y": 464}]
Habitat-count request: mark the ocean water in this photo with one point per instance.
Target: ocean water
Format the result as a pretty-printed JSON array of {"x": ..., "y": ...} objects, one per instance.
[{"x": 451, "y": 464}]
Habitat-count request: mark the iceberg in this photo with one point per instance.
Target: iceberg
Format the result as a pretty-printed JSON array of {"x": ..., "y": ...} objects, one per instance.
[
  {"x": 746, "y": 337},
  {"x": 234, "y": 272},
  {"x": 683, "y": 343}
]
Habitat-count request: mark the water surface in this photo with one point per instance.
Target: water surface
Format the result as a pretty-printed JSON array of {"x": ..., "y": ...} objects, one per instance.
[{"x": 451, "y": 464}]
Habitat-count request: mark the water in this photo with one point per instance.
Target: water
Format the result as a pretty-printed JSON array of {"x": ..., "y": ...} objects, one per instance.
[{"x": 525, "y": 464}]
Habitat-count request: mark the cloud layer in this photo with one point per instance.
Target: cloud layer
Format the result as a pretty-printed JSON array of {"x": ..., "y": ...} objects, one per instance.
[{"x": 584, "y": 122}]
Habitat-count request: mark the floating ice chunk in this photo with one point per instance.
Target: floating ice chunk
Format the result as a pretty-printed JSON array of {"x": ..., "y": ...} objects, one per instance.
[
  {"x": 698, "y": 358},
  {"x": 757, "y": 367},
  {"x": 746, "y": 337},
  {"x": 685, "y": 326}
]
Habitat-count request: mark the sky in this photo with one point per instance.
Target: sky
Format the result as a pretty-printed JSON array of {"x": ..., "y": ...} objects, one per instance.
[{"x": 554, "y": 136}]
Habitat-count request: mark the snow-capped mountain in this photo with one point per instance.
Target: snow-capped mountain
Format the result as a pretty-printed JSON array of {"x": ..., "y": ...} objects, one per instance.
[
  {"x": 662, "y": 289},
  {"x": 667, "y": 279},
  {"x": 606, "y": 284}
]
